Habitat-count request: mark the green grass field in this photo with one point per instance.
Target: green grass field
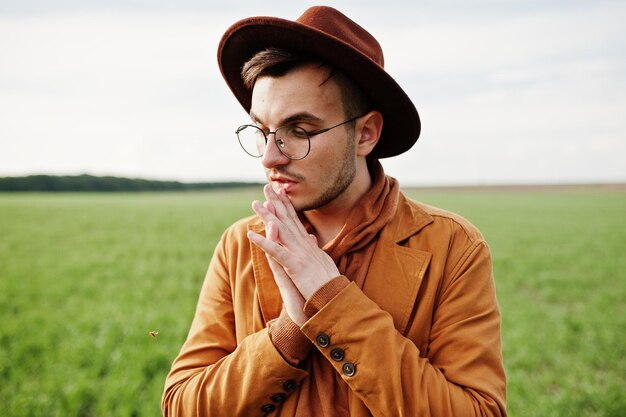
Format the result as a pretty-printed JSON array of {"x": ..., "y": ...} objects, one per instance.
[{"x": 85, "y": 277}]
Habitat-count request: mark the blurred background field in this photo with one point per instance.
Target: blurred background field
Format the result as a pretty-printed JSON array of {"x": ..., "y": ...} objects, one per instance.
[{"x": 85, "y": 277}]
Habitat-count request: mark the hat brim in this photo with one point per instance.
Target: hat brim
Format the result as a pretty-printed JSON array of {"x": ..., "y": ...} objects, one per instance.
[{"x": 401, "y": 126}]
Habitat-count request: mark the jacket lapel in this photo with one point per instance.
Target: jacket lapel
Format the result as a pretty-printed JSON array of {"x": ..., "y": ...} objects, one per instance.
[
  {"x": 270, "y": 300},
  {"x": 396, "y": 272}
]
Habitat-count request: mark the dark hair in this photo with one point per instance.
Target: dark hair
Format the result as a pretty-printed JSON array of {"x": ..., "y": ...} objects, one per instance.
[{"x": 276, "y": 62}]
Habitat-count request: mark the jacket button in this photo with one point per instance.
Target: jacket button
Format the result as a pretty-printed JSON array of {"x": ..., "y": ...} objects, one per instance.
[
  {"x": 323, "y": 340},
  {"x": 289, "y": 385},
  {"x": 348, "y": 369},
  {"x": 278, "y": 398},
  {"x": 337, "y": 354},
  {"x": 268, "y": 408}
]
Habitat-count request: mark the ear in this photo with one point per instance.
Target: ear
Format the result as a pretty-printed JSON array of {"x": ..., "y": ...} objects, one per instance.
[{"x": 368, "y": 130}]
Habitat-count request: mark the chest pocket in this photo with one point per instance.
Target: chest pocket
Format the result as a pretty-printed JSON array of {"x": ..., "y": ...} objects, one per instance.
[{"x": 394, "y": 279}]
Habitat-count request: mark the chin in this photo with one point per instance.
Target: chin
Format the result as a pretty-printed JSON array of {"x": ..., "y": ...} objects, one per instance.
[
  {"x": 300, "y": 205},
  {"x": 297, "y": 203}
]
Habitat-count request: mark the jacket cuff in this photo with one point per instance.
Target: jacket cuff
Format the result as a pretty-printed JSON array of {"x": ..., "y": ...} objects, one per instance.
[
  {"x": 324, "y": 294},
  {"x": 288, "y": 339}
]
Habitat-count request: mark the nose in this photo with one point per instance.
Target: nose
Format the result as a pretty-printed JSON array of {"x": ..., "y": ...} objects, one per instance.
[{"x": 272, "y": 156}]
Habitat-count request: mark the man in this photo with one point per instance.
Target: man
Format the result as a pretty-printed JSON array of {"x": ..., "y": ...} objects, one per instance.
[{"x": 341, "y": 297}]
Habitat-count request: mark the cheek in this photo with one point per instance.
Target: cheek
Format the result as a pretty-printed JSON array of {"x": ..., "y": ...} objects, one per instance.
[
  {"x": 322, "y": 164},
  {"x": 329, "y": 152},
  {"x": 316, "y": 168}
]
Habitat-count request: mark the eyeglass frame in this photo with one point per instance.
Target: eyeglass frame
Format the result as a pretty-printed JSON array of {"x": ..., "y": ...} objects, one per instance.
[{"x": 308, "y": 136}]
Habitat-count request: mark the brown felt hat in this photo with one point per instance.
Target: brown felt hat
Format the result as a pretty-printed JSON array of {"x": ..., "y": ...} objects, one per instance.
[{"x": 325, "y": 33}]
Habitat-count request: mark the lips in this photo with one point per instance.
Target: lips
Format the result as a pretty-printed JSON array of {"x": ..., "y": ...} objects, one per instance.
[{"x": 283, "y": 182}]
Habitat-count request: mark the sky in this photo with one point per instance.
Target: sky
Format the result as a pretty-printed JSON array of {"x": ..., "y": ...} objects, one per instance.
[{"x": 508, "y": 91}]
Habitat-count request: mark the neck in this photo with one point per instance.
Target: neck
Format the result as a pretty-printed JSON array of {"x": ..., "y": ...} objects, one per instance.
[{"x": 330, "y": 219}]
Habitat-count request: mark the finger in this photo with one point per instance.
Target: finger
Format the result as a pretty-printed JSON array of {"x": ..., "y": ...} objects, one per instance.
[
  {"x": 290, "y": 228},
  {"x": 313, "y": 239},
  {"x": 279, "y": 272},
  {"x": 265, "y": 211},
  {"x": 282, "y": 196},
  {"x": 291, "y": 211},
  {"x": 276, "y": 251},
  {"x": 265, "y": 215},
  {"x": 267, "y": 219},
  {"x": 269, "y": 207},
  {"x": 271, "y": 232},
  {"x": 279, "y": 209},
  {"x": 285, "y": 285},
  {"x": 280, "y": 276},
  {"x": 284, "y": 233}
]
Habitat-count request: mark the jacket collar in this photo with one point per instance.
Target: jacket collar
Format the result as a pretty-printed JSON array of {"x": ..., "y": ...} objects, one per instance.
[
  {"x": 394, "y": 275},
  {"x": 408, "y": 220}
]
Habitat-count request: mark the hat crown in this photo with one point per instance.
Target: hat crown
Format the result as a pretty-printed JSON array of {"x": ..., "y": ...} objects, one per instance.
[{"x": 334, "y": 23}]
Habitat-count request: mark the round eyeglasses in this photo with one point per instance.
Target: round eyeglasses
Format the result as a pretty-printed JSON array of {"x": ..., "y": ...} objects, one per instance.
[{"x": 292, "y": 141}]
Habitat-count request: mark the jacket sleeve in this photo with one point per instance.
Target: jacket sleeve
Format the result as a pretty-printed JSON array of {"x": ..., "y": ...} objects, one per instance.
[
  {"x": 460, "y": 374},
  {"x": 213, "y": 372}
]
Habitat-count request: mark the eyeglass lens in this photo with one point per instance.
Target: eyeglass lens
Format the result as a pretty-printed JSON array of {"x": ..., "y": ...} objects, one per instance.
[{"x": 292, "y": 141}]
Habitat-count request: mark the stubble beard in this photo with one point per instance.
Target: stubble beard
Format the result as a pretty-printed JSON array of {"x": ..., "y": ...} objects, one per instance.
[{"x": 342, "y": 180}]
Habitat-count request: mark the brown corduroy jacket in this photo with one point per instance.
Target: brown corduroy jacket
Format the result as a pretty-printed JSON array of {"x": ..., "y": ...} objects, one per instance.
[{"x": 423, "y": 334}]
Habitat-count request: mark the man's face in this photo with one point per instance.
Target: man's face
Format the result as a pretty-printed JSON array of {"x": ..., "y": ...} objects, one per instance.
[{"x": 302, "y": 98}]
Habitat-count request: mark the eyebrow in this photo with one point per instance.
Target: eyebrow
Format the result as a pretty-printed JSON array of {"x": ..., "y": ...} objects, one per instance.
[{"x": 297, "y": 117}]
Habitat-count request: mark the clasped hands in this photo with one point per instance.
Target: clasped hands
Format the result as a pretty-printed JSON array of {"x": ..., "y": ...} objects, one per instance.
[{"x": 299, "y": 266}]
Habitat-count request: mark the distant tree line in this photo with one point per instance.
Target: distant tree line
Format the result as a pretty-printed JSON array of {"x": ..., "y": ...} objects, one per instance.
[{"x": 107, "y": 183}]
